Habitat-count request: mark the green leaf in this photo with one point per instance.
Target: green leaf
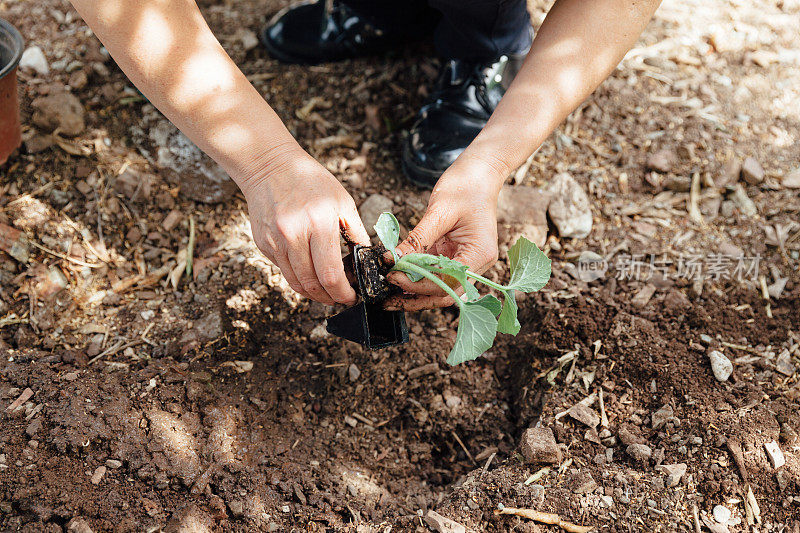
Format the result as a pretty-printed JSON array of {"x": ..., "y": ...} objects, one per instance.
[
  {"x": 491, "y": 303},
  {"x": 477, "y": 328},
  {"x": 441, "y": 264},
  {"x": 388, "y": 230},
  {"x": 508, "y": 322},
  {"x": 530, "y": 268}
]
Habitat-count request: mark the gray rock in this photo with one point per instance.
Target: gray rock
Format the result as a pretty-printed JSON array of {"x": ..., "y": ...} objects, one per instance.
[
  {"x": 662, "y": 160},
  {"x": 79, "y": 525},
  {"x": 524, "y": 211},
  {"x": 674, "y": 473},
  {"x": 205, "y": 329},
  {"x": 569, "y": 207},
  {"x": 353, "y": 372},
  {"x": 582, "y": 482},
  {"x": 33, "y": 60},
  {"x": 721, "y": 366},
  {"x": 784, "y": 365},
  {"x": 372, "y": 208},
  {"x": 639, "y": 452},
  {"x": 113, "y": 464},
  {"x": 660, "y": 417},
  {"x": 179, "y": 160},
  {"x": 60, "y": 111},
  {"x": 752, "y": 172},
  {"x": 537, "y": 494},
  {"x": 538, "y": 445},
  {"x": 441, "y": 524},
  {"x": 584, "y": 415}
]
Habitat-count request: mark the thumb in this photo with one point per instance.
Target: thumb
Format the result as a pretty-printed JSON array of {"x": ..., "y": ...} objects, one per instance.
[
  {"x": 352, "y": 227},
  {"x": 434, "y": 225}
]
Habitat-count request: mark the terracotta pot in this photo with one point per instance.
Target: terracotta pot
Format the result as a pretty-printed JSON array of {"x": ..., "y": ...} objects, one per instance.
[{"x": 10, "y": 51}]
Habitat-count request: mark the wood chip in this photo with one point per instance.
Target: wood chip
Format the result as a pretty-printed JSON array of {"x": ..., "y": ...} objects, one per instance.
[
  {"x": 171, "y": 220},
  {"x": 26, "y": 395},
  {"x": 442, "y": 524},
  {"x": 424, "y": 370},
  {"x": 738, "y": 457}
]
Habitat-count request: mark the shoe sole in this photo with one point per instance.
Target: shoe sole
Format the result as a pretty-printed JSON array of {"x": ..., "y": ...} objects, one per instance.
[{"x": 416, "y": 174}]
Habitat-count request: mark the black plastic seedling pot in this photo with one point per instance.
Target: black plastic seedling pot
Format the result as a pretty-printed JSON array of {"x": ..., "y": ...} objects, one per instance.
[{"x": 367, "y": 322}]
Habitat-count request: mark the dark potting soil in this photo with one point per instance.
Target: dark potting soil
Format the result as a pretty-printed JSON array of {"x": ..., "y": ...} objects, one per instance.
[{"x": 373, "y": 271}]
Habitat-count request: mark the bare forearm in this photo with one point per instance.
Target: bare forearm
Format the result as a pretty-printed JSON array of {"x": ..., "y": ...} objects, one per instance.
[
  {"x": 170, "y": 54},
  {"x": 577, "y": 47}
]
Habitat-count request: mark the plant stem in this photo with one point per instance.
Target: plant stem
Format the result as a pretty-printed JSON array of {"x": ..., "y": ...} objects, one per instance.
[
  {"x": 486, "y": 281},
  {"x": 405, "y": 267}
]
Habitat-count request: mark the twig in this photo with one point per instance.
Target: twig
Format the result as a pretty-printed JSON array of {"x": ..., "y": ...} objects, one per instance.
[
  {"x": 190, "y": 248},
  {"x": 118, "y": 347},
  {"x": 545, "y": 518},
  {"x": 694, "y": 209},
  {"x": 455, "y": 436},
  {"x": 603, "y": 415},
  {"x": 696, "y": 519},
  {"x": 65, "y": 257},
  {"x": 537, "y": 475},
  {"x": 364, "y": 419},
  {"x": 765, "y": 294},
  {"x": 486, "y": 466},
  {"x": 12, "y": 318}
]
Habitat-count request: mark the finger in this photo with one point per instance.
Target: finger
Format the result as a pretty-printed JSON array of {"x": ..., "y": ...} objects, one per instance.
[
  {"x": 417, "y": 303},
  {"x": 300, "y": 260},
  {"x": 434, "y": 224},
  {"x": 288, "y": 275},
  {"x": 352, "y": 227},
  {"x": 329, "y": 268}
]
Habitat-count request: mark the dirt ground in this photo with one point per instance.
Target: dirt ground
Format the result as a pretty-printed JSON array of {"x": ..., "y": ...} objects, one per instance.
[{"x": 135, "y": 399}]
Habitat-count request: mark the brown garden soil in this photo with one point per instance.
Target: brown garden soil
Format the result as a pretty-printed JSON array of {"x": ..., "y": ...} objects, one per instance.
[{"x": 218, "y": 403}]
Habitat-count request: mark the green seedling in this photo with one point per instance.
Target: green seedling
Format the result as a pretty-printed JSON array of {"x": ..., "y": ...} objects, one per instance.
[{"x": 481, "y": 317}]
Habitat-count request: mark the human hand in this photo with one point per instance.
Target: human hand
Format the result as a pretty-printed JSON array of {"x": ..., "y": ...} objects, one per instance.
[
  {"x": 298, "y": 211},
  {"x": 460, "y": 223}
]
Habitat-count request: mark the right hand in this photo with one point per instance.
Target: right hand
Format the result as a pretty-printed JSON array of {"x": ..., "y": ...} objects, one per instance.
[{"x": 298, "y": 211}]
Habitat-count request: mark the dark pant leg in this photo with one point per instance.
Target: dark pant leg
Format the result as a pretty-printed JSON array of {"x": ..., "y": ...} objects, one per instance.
[
  {"x": 411, "y": 18},
  {"x": 482, "y": 30}
]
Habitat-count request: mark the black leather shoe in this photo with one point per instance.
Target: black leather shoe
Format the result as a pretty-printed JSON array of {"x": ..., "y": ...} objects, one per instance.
[
  {"x": 465, "y": 96},
  {"x": 322, "y": 31}
]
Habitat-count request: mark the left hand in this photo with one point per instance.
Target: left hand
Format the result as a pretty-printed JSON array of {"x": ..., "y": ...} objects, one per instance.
[{"x": 460, "y": 223}]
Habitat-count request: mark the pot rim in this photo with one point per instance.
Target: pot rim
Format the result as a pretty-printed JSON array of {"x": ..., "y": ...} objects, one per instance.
[{"x": 16, "y": 37}]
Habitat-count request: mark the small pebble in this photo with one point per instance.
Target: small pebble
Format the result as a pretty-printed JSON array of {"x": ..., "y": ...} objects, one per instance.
[
  {"x": 353, "y": 372},
  {"x": 720, "y": 365},
  {"x": 721, "y": 514}
]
